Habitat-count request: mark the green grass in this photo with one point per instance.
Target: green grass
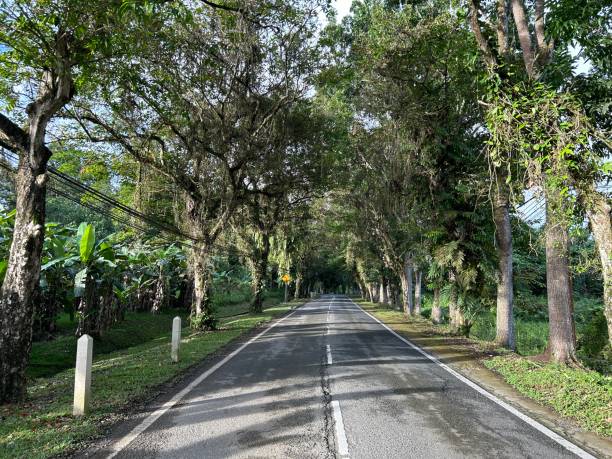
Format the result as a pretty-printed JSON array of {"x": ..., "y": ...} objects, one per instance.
[
  {"x": 532, "y": 334},
  {"x": 585, "y": 396},
  {"x": 43, "y": 426},
  {"x": 51, "y": 357}
]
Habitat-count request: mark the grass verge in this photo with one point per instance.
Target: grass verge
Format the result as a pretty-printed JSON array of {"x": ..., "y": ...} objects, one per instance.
[
  {"x": 44, "y": 427},
  {"x": 584, "y": 396}
]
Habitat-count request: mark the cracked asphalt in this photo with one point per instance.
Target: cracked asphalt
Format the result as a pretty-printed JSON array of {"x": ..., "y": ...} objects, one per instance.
[{"x": 273, "y": 400}]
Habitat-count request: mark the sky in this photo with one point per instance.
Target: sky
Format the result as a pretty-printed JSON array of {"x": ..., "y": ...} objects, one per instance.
[{"x": 343, "y": 7}]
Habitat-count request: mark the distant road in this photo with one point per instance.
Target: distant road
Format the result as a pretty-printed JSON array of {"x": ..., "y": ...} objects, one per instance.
[{"x": 330, "y": 381}]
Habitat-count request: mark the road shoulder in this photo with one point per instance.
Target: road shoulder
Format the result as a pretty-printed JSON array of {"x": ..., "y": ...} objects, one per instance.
[
  {"x": 466, "y": 357},
  {"x": 121, "y": 423}
]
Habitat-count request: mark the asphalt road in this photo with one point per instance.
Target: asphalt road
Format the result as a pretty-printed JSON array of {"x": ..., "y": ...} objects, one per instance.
[{"x": 330, "y": 381}]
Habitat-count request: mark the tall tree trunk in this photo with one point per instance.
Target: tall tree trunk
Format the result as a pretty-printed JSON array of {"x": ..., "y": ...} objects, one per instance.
[
  {"x": 457, "y": 319},
  {"x": 23, "y": 272},
  {"x": 561, "y": 338},
  {"x": 374, "y": 292},
  {"x": 436, "y": 310},
  {"x": 456, "y": 316},
  {"x": 159, "y": 298},
  {"x": 503, "y": 237},
  {"x": 260, "y": 267},
  {"x": 598, "y": 211},
  {"x": 202, "y": 315},
  {"x": 297, "y": 293},
  {"x": 417, "y": 291},
  {"x": 383, "y": 297},
  {"x": 362, "y": 293},
  {"x": 406, "y": 281},
  {"x": 21, "y": 281}
]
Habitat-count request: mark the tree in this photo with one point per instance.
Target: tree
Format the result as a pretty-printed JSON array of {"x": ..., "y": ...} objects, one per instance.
[
  {"x": 45, "y": 45},
  {"x": 546, "y": 143},
  {"x": 416, "y": 137},
  {"x": 196, "y": 107}
]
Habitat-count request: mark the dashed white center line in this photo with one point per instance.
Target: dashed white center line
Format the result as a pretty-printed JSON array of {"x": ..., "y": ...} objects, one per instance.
[
  {"x": 343, "y": 450},
  {"x": 329, "y": 355}
]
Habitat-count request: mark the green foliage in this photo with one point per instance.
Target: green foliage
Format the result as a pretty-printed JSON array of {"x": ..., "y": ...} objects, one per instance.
[
  {"x": 585, "y": 396},
  {"x": 87, "y": 241}
]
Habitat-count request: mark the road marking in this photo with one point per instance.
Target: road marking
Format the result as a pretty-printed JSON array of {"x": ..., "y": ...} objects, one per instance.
[
  {"x": 532, "y": 422},
  {"x": 149, "y": 420},
  {"x": 329, "y": 356},
  {"x": 343, "y": 450}
]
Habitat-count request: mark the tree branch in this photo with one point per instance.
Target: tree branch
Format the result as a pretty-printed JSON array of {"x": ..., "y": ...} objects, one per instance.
[
  {"x": 483, "y": 43},
  {"x": 522, "y": 28}
]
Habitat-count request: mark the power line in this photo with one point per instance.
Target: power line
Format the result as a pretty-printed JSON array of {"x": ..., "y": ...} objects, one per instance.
[
  {"x": 82, "y": 190},
  {"x": 529, "y": 208},
  {"x": 537, "y": 209}
]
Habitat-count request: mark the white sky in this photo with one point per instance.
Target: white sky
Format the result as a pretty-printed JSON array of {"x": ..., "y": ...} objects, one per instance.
[{"x": 342, "y": 7}]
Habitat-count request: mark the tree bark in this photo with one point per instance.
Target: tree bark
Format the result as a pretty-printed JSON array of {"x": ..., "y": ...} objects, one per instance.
[
  {"x": 417, "y": 291},
  {"x": 159, "y": 298},
  {"x": 522, "y": 28},
  {"x": 23, "y": 272},
  {"x": 202, "y": 316},
  {"x": 406, "y": 281},
  {"x": 374, "y": 292},
  {"x": 457, "y": 319},
  {"x": 259, "y": 269},
  {"x": 598, "y": 212},
  {"x": 21, "y": 281},
  {"x": 503, "y": 237},
  {"x": 561, "y": 338},
  {"x": 436, "y": 310},
  {"x": 298, "y": 286},
  {"x": 383, "y": 297}
]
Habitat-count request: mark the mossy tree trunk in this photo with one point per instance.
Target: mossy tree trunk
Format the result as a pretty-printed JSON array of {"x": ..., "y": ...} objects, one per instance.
[
  {"x": 562, "y": 337},
  {"x": 436, "y": 310},
  {"x": 406, "y": 283},
  {"x": 417, "y": 291},
  {"x": 503, "y": 238},
  {"x": 202, "y": 314},
  {"x": 259, "y": 268},
  {"x": 598, "y": 212},
  {"x": 23, "y": 271}
]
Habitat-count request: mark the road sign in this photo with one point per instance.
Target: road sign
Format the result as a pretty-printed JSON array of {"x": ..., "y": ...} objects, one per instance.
[{"x": 286, "y": 278}]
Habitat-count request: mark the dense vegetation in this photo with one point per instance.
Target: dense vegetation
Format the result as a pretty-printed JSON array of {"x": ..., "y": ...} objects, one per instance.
[{"x": 445, "y": 158}]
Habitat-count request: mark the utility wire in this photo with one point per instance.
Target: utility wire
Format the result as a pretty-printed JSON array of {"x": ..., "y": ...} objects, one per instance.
[
  {"x": 537, "y": 210},
  {"x": 83, "y": 190}
]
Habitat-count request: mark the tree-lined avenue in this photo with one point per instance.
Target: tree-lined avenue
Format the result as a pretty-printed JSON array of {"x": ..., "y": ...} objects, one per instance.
[{"x": 275, "y": 398}]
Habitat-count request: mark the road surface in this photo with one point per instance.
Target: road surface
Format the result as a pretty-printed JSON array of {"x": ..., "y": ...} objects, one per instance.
[{"x": 330, "y": 381}]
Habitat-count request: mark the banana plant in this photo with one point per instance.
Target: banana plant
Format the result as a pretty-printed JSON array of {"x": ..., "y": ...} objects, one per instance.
[{"x": 96, "y": 282}]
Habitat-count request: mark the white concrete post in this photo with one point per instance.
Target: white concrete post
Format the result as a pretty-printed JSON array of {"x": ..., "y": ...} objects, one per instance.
[
  {"x": 82, "y": 375},
  {"x": 176, "y": 338}
]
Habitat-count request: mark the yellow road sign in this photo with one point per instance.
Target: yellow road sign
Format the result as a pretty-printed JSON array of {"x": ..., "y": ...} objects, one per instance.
[{"x": 286, "y": 278}]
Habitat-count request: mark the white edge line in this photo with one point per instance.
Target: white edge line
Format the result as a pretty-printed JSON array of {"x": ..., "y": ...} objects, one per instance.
[
  {"x": 150, "y": 419},
  {"x": 329, "y": 355},
  {"x": 532, "y": 422},
  {"x": 343, "y": 450}
]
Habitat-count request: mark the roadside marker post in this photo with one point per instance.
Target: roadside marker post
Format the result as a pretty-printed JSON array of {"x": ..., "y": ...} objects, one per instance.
[
  {"x": 82, "y": 375},
  {"x": 176, "y": 339}
]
